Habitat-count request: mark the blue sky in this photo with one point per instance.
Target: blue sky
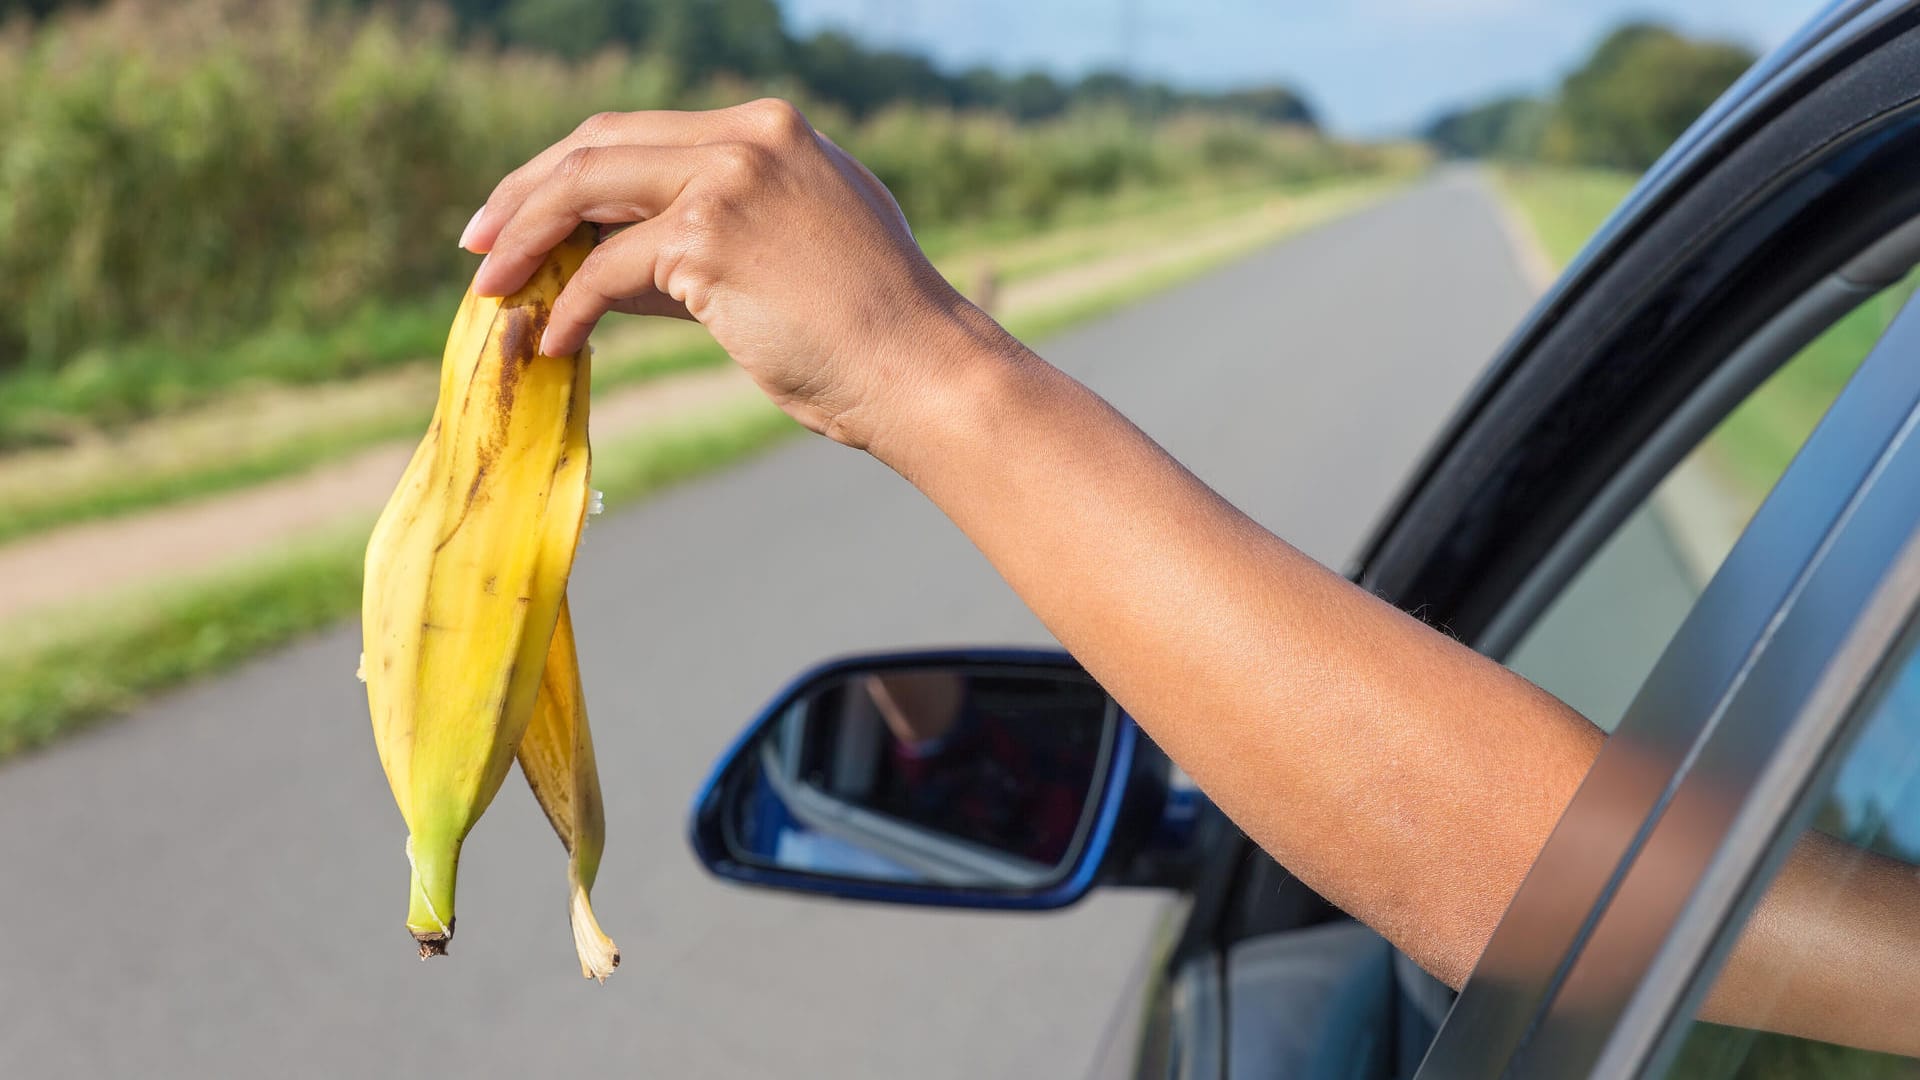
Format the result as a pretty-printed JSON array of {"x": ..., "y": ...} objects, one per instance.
[{"x": 1372, "y": 66}]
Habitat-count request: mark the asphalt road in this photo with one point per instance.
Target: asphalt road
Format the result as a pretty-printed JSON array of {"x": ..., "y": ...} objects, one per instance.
[{"x": 215, "y": 886}]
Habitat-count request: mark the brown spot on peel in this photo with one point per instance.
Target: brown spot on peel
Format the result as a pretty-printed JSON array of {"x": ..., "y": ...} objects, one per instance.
[{"x": 473, "y": 493}]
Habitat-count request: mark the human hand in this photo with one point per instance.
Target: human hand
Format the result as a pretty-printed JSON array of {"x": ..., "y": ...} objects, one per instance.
[{"x": 790, "y": 252}]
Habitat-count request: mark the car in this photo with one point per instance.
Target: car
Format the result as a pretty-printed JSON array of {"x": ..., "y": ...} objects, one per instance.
[{"x": 1755, "y": 661}]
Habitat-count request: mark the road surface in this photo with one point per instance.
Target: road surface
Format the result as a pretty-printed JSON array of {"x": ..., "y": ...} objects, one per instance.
[{"x": 215, "y": 886}]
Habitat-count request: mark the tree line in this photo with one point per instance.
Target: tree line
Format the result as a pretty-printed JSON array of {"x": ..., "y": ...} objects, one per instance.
[
  {"x": 1620, "y": 109},
  {"x": 700, "y": 40}
]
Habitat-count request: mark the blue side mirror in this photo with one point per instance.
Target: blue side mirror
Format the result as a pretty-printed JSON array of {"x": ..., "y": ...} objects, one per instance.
[{"x": 989, "y": 779}]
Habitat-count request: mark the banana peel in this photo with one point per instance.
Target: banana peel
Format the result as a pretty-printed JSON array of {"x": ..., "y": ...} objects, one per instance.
[{"x": 466, "y": 650}]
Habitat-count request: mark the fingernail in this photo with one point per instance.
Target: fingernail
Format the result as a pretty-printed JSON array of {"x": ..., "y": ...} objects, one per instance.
[
  {"x": 545, "y": 348},
  {"x": 466, "y": 234}
]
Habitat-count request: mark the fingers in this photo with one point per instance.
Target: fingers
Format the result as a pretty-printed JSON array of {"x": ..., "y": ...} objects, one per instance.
[
  {"x": 605, "y": 184},
  {"x": 650, "y": 128},
  {"x": 619, "y": 274},
  {"x": 654, "y": 303}
]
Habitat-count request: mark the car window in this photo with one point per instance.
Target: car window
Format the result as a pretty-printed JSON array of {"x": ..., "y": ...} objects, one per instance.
[
  {"x": 1851, "y": 888},
  {"x": 1597, "y": 641}
]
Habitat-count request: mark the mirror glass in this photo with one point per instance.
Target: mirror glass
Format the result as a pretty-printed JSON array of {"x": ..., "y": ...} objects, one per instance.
[{"x": 966, "y": 777}]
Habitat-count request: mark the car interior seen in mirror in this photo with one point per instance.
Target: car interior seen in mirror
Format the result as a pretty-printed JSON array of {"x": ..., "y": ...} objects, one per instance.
[{"x": 975, "y": 778}]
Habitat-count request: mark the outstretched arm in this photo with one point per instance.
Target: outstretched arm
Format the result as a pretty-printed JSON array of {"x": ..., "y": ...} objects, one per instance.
[{"x": 1401, "y": 775}]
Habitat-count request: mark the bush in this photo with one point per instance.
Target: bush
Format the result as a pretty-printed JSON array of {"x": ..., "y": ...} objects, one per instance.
[{"x": 182, "y": 182}]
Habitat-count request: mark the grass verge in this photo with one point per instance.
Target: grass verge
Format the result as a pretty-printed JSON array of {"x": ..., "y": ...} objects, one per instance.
[
  {"x": 1564, "y": 206},
  {"x": 1756, "y": 442},
  {"x": 61, "y": 674},
  {"x": 295, "y": 420},
  {"x": 210, "y": 456}
]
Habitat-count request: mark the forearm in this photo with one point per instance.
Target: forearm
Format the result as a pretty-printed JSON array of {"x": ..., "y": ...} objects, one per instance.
[
  {"x": 1403, "y": 777},
  {"x": 1399, "y": 774},
  {"x": 1830, "y": 953}
]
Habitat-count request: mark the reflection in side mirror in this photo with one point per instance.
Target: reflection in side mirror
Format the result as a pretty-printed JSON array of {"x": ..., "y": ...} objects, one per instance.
[{"x": 988, "y": 780}]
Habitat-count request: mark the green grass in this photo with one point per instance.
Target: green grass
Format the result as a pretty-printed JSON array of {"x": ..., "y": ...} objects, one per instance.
[
  {"x": 1564, "y": 206},
  {"x": 58, "y": 675},
  {"x": 1124, "y": 222},
  {"x": 1755, "y": 443},
  {"x": 124, "y": 493},
  {"x": 107, "y": 388},
  {"x": 103, "y": 661},
  {"x": 1730, "y": 1053},
  {"x": 214, "y": 460},
  {"x": 129, "y": 483},
  {"x": 1313, "y": 210}
]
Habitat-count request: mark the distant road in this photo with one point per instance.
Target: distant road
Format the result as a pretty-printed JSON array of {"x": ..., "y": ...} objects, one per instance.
[{"x": 215, "y": 886}]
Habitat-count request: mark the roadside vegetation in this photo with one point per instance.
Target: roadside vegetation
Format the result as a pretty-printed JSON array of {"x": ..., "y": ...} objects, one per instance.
[
  {"x": 1619, "y": 109},
  {"x": 1754, "y": 444},
  {"x": 202, "y": 194},
  {"x": 227, "y": 229},
  {"x": 70, "y": 667},
  {"x": 254, "y": 433},
  {"x": 1564, "y": 204},
  {"x": 61, "y": 671}
]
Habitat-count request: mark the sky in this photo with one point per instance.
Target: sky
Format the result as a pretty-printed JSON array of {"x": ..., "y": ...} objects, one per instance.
[{"x": 1372, "y": 67}]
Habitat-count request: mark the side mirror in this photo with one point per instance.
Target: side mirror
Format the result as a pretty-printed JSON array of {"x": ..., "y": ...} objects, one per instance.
[{"x": 966, "y": 779}]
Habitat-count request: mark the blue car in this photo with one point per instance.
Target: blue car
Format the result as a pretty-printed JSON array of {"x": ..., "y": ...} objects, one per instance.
[{"x": 1754, "y": 658}]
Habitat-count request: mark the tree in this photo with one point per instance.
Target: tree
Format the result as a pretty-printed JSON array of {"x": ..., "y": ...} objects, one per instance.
[
  {"x": 32, "y": 8},
  {"x": 1270, "y": 104},
  {"x": 569, "y": 27},
  {"x": 1035, "y": 96},
  {"x": 1508, "y": 128},
  {"x": 1638, "y": 91}
]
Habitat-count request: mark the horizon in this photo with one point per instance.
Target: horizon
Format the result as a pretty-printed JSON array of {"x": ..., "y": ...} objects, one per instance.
[{"x": 1368, "y": 68}]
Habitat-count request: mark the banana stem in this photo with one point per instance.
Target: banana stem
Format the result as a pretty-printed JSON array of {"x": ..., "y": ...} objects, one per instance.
[
  {"x": 598, "y": 954},
  {"x": 430, "y": 901}
]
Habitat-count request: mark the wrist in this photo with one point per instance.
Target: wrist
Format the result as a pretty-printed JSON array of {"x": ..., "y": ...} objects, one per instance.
[{"x": 948, "y": 375}]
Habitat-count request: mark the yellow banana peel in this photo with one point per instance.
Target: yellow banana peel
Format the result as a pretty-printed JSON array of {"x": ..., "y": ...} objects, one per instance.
[{"x": 466, "y": 577}]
